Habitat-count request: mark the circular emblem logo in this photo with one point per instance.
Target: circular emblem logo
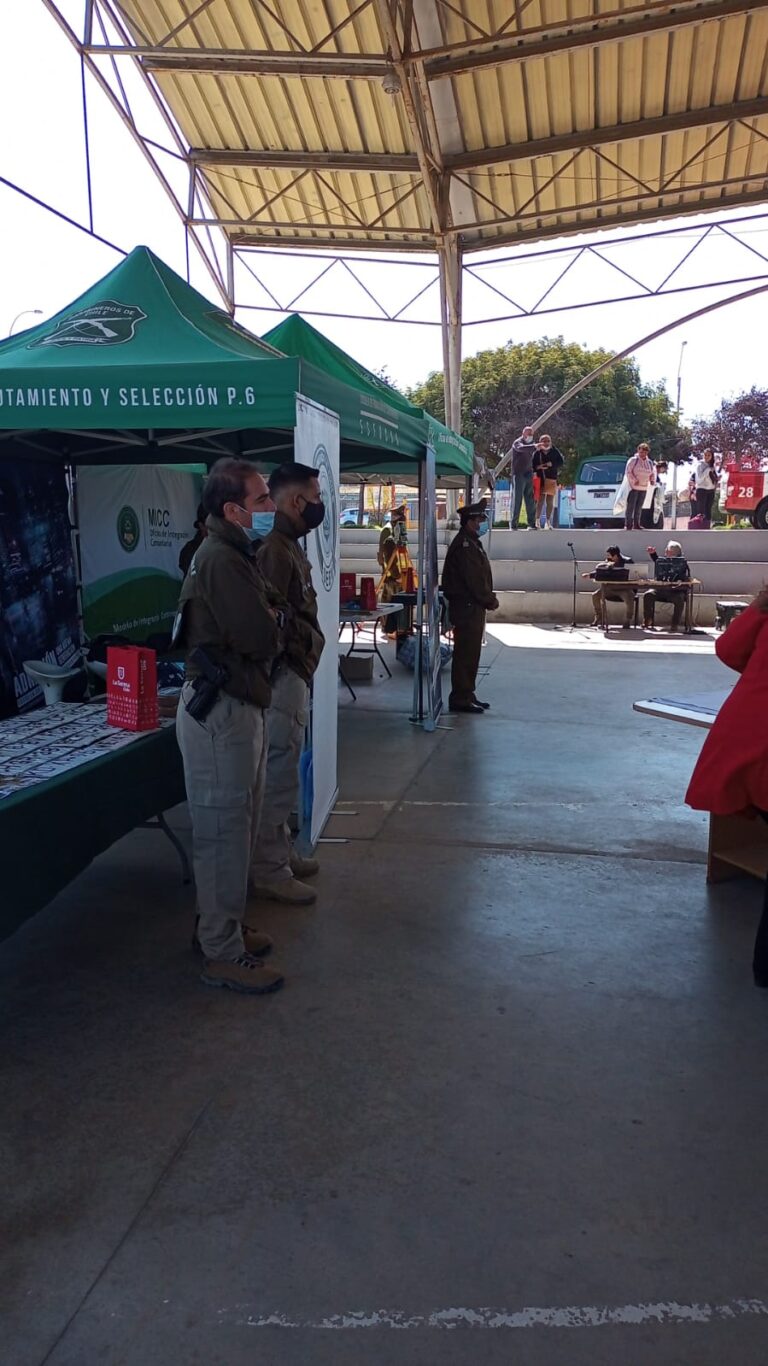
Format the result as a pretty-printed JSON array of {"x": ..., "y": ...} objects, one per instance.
[
  {"x": 327, "y": 534},
  {"x": 128, "y": 530}
]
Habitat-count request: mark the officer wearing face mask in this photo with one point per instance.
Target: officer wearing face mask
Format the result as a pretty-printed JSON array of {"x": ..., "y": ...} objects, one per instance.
[
  {"x": 277, "y": 871},
  {"x": 468, "y": 587},
  {"x": 229, "y": 625}
]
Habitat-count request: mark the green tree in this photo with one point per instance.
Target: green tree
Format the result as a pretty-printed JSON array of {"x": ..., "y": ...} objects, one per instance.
[
  {"x": 504, "y": 389},
  {"x": 739, "y": 424}
]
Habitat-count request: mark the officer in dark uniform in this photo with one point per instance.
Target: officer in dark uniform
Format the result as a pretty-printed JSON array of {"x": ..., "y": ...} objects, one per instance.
[{"x": 468, "y": 587}]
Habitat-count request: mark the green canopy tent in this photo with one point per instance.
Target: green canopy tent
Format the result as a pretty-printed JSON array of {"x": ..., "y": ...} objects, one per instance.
[
  {"x": 143, "y": 368},
  {"x": 296, "y": 337}
]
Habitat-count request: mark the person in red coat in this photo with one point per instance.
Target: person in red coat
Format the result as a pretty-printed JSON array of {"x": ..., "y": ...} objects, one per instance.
[{"x": 731, "y": 776}]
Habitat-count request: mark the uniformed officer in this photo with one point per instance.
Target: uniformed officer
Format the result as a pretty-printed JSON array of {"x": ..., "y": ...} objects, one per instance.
[
  {"x": 277, "y": 871},
  {"x": 468, "y": 586}
]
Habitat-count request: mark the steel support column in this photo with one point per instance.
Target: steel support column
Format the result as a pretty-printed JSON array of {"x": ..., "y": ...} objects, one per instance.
[{"x": 449, "y": 257}]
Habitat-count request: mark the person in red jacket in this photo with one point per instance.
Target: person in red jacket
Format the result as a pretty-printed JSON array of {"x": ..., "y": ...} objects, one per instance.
[{"x": 731, "y": 776}]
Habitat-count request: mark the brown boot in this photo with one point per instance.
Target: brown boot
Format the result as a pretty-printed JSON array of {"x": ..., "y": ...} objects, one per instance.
[
  {"x": 256, "y": 943},
  {"x": 290, "y": 891},
  {"x": 246, "y": 974},
  {"x": 303, "y": 867}
]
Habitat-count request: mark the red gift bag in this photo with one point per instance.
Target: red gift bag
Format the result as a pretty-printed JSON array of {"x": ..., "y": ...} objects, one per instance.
[
  {"x": 347, "y": 587},
  {"x": 368, "y": 594},
  {"x": 132, "y": 687}
]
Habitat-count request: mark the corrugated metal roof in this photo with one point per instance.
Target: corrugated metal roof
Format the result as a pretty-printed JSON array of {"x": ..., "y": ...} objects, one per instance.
[{"x": 505, "y": 123}]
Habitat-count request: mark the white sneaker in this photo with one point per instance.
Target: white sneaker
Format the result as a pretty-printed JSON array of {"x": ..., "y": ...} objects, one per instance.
[{"x": 548, "y": 526}]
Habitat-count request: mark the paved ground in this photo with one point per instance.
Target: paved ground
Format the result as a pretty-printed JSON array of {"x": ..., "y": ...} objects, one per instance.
[{"x": 510, "y": 1107}]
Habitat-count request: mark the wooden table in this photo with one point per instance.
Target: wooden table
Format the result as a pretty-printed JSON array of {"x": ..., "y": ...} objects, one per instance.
[
  {"x": 638, "y": 586},
  {"x": 736, "y": 845}
]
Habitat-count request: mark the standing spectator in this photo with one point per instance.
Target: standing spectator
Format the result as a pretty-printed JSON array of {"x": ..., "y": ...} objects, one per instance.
[
  {"x": 276, "y": 869},
  {"x": 706, "y": 484},
  {"x": 673, "y": 569},
  {"x": 731, "y": 776},
  {"x": 523, "y": 450},
  {"x": 228, "y": 630},
  {"x": 640, "y": 473},
  {"x": 468, "y": 587},
  {"x": 187, "y": 553},
  {"x": 547, "y": 464}
]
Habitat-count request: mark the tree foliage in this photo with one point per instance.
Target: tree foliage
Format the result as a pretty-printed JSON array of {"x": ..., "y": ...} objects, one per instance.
[
  {"x": 504, "y": 389},
  {"x": 739, "y": 424}
]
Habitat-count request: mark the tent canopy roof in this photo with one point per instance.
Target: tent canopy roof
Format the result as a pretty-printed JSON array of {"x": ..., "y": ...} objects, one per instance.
[
  {"x": 296, "y": 337},
  {"x": 144, "y": 368}
]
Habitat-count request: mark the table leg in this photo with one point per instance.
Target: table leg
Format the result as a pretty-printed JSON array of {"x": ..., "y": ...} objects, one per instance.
[
  {"x": 376, "y": 649},
  {"x": 160, "y": 823}
]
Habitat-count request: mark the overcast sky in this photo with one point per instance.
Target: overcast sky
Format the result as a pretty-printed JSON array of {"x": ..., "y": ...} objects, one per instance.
[{"x": 44, "y": 262}]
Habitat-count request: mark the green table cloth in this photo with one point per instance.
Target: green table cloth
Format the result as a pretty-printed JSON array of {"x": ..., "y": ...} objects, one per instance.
[{"x": 50, "y": 832}]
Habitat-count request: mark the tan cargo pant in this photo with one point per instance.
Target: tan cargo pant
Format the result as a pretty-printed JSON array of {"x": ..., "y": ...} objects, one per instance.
[
  {"x": 224, "y": 767},
  {"x": 286, "y": 721}
]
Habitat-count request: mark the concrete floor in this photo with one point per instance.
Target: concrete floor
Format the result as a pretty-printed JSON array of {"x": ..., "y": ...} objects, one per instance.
[{"x": 519, "y": 1066}]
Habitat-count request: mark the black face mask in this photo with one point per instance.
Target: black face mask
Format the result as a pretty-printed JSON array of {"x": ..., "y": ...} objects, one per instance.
[{"x": 313, "y": 515}]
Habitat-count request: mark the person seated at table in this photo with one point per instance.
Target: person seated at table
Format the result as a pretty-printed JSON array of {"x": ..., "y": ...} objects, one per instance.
[
  {"x": 670, "y": 568},
  {"x": 731, "y": 775},
  {"x": 612, "y": 567}
]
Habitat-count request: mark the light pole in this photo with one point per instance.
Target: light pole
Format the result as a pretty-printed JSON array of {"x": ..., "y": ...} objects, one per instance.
[
  {"x": 683, "y": 345},
  {"x": 23, "y": 314}
]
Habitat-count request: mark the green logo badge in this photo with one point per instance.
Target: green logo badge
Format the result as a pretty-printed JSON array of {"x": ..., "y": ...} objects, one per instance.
[
  {"x": 104, "y": 324},
  {"x": 128, "y": 529}
]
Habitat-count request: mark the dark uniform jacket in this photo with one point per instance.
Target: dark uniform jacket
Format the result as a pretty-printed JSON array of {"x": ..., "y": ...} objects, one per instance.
[
  {"x": 283, "y": 563},
  {"x": 226, "y": 609},
  {"x": 467, "y": 578}
]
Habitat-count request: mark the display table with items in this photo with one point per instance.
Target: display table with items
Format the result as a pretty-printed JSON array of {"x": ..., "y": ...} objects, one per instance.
[
  {"x": 736, "y": 844},
  {"x": 357, "y": 618},
  {"x": 70, "y": 787}
]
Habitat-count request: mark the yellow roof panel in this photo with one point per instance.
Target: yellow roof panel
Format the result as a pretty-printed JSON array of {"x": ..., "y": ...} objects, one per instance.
[{"x": 330, "y": 121}]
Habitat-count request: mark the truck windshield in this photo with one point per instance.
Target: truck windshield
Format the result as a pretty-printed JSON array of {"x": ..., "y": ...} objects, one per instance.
[{"x": 601, "y": 472}]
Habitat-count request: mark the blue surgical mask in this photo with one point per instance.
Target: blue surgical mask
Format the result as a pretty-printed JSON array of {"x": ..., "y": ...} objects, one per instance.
[
  {"x": 261, "y": 525},
  {"x": 484, "y": 528}
]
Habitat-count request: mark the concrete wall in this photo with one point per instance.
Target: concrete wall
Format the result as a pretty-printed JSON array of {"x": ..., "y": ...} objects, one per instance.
[{"x": 533, "y": 571}]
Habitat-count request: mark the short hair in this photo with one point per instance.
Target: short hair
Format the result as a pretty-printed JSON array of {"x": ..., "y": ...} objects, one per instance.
[
  {"x": 643, "y": 446},
  {"x": 614, "y": 550},
  {"x": 291, "y": 475},
  {"x": 675, "y": 545},
  {"x": 545, "y": 437},
  {"x": 226, "y": 483}
]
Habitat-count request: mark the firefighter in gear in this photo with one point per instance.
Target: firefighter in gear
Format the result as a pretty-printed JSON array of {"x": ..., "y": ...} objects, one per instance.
[
  {"x": 468, "y": 587},
  {"x": 393, "y": 556}
]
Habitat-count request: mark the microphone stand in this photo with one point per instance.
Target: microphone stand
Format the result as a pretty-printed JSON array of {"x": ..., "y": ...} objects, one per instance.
[{"x": 575, "y": 576}]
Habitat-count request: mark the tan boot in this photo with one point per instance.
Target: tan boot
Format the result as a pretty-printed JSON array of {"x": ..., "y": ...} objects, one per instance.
[
  {"x": 303, "y": 867},
  {"x": 290, "y": 892},
  {"x": 256, "y": 943},
  {"x": 246, "y": 974}
]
